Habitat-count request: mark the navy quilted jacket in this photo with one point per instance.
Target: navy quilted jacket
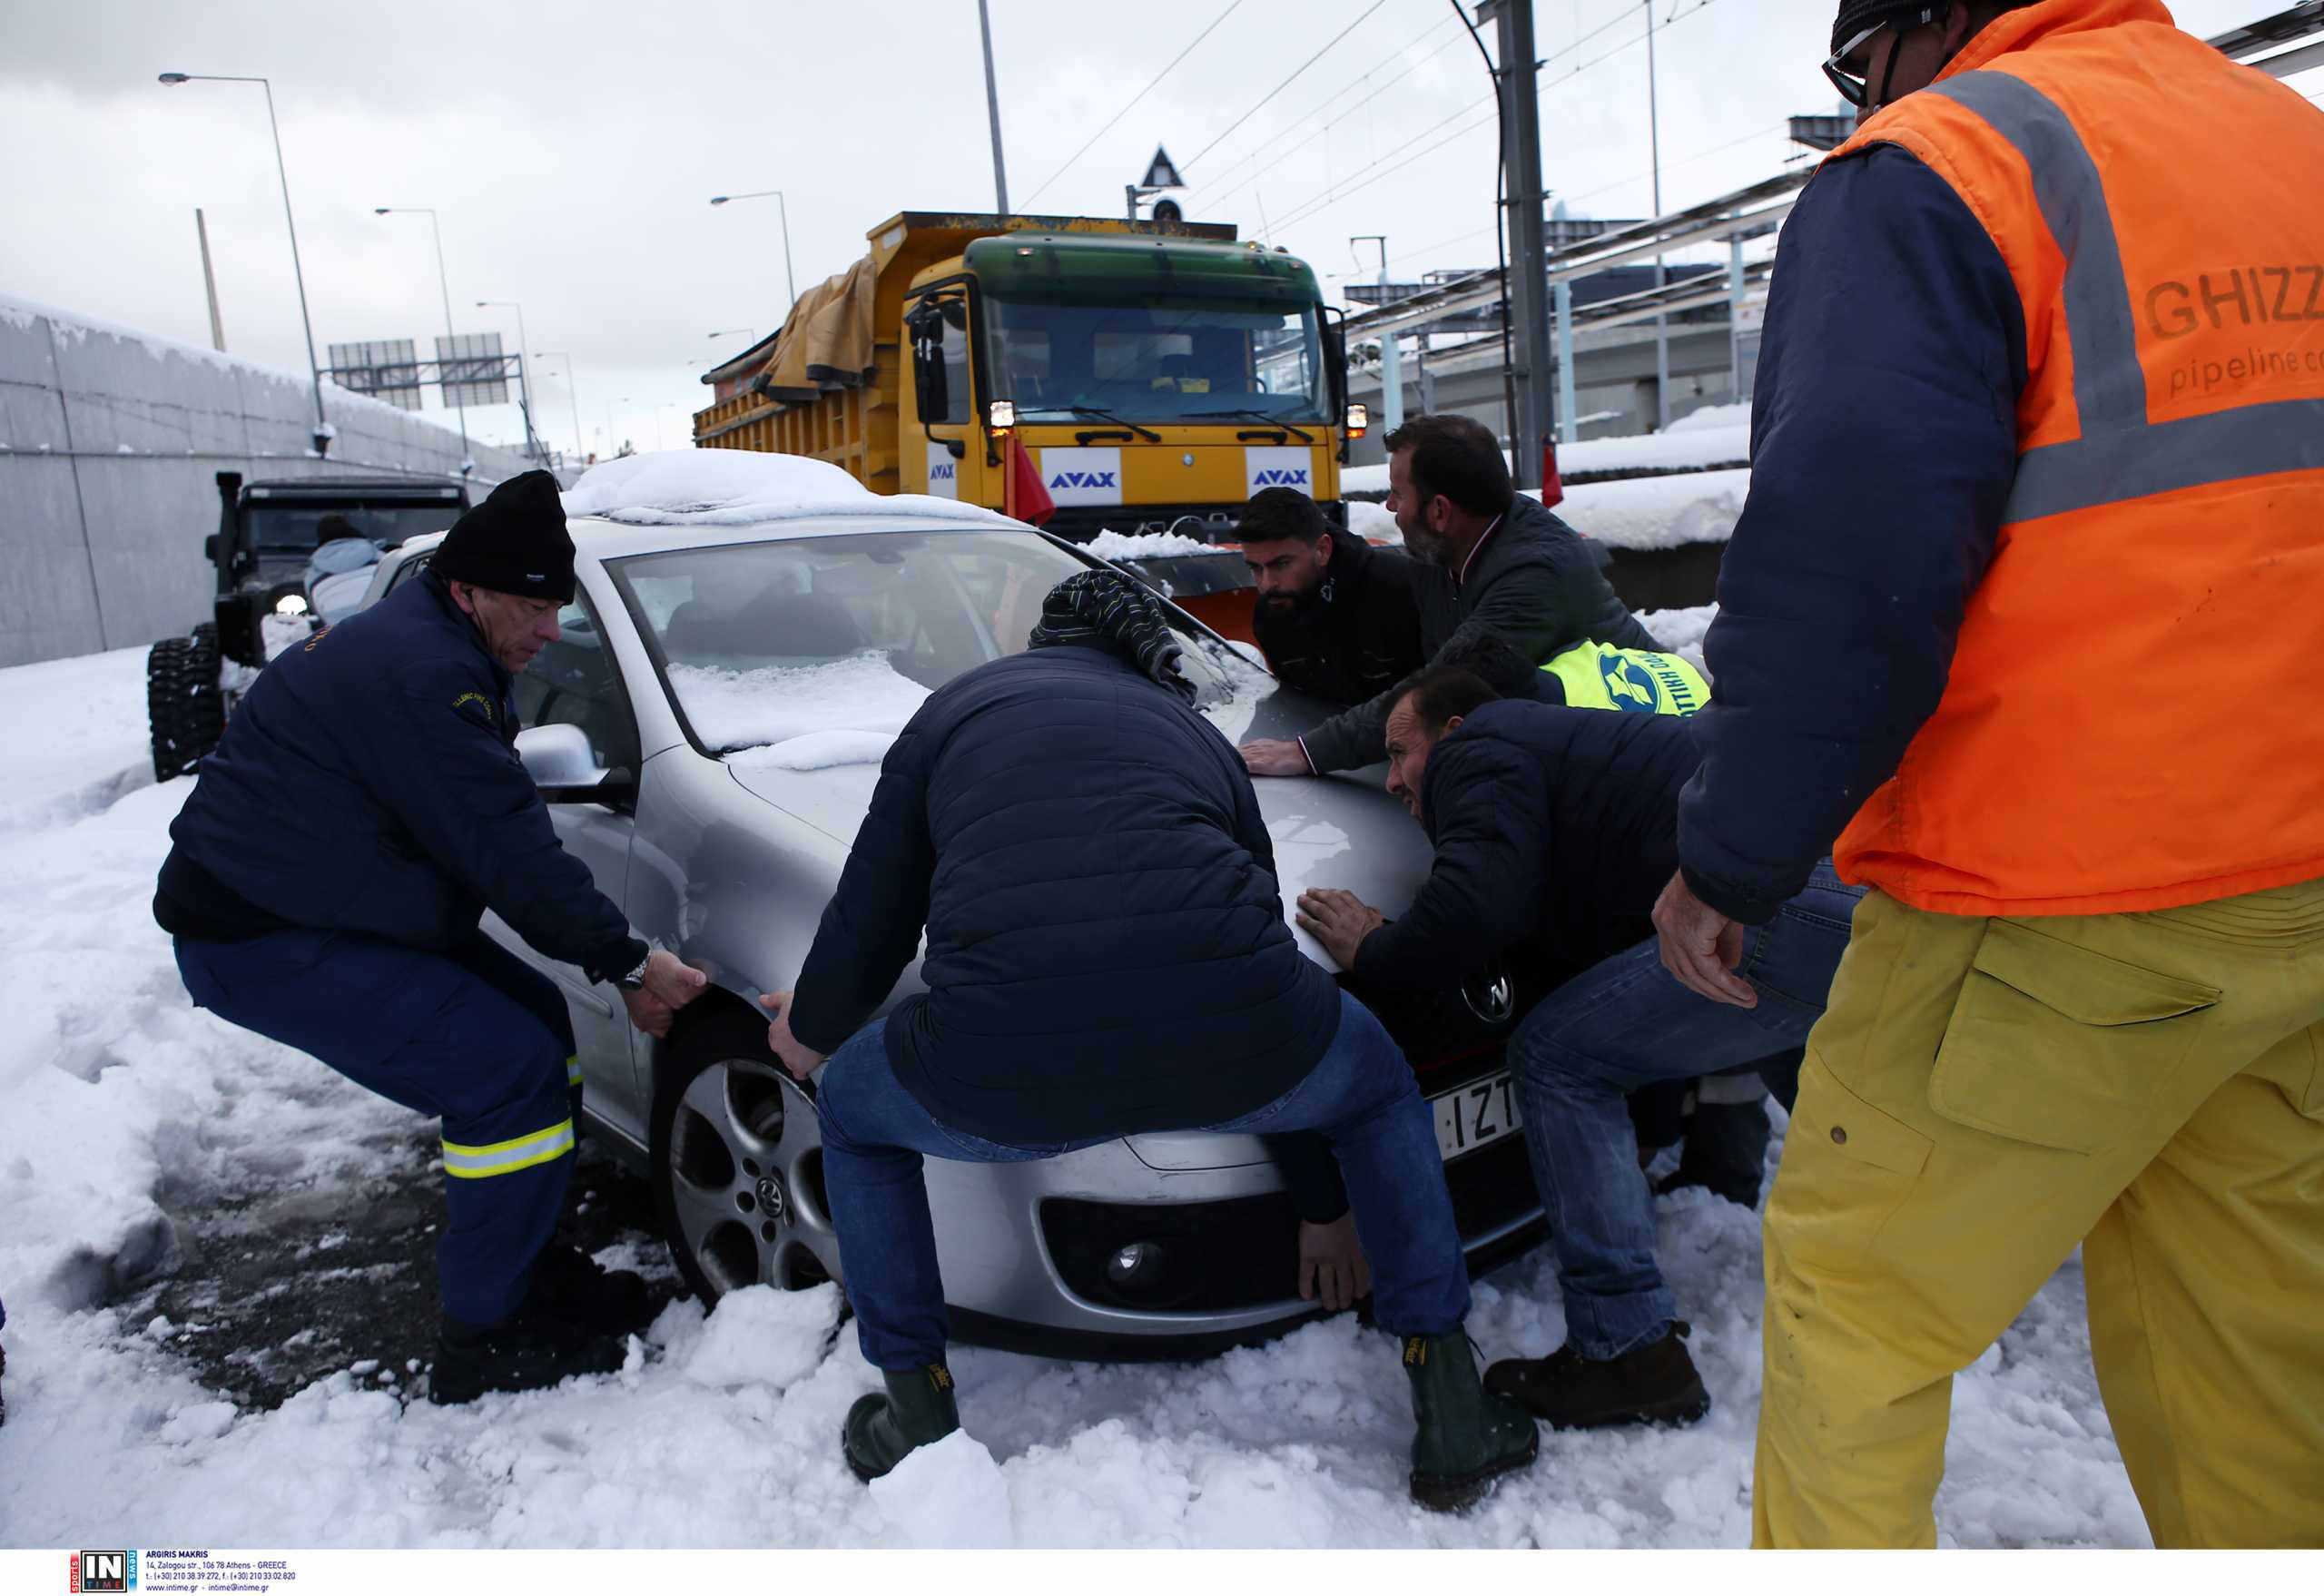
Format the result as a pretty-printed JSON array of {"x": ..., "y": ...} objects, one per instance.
[{"x": 1106, "y": 951}]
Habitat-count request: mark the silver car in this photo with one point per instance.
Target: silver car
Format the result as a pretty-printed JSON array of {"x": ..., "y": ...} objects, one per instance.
[{"x": 708, "y": 731}]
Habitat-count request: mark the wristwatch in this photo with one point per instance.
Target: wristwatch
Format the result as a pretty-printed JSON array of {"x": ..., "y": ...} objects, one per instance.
[{"x": 635, "y": 979}]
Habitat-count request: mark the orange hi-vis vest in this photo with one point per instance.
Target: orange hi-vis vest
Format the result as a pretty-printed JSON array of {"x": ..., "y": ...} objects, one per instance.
[{"x": 2128, "y": 723}]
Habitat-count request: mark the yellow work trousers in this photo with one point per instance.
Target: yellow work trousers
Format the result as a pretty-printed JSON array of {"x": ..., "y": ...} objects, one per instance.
[{"x": 1980, "y": 1095}]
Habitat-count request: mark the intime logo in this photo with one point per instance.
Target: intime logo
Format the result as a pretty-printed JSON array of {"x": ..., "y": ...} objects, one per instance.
[{"x": 104, "y": 1571}]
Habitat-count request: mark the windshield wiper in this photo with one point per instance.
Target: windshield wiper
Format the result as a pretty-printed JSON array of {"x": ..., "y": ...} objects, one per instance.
[
  {"x": 1274, "y": 421},
  {"x": 1096, "y": 414}
]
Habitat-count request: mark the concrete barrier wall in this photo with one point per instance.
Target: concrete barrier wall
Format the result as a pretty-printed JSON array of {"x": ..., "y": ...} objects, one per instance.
[{"x": 110, "y": 444}]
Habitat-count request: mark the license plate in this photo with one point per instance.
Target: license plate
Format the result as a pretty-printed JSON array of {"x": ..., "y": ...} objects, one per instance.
[{"x": 1476, "y": 1115}]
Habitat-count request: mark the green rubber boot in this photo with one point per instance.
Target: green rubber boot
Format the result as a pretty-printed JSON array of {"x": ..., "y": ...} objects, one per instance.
[
  {"x": 1466, "y": 1439},
  {"x": 917, "y": 1409}
]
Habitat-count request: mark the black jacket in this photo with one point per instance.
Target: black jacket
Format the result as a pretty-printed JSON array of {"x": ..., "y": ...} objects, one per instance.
[
  {"x": 1533, "y": 580},
  {"x": 1555, "y": 831},
  {"x": 1884, "y": 446},
  {"x": 1358, "y": 637},
  {"x": 1106, "y": 951},
  {"x": 368, "y": 783}
]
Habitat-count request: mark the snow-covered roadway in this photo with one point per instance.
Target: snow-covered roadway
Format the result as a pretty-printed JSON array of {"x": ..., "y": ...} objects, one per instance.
[{"x": 120, "y": 1105}]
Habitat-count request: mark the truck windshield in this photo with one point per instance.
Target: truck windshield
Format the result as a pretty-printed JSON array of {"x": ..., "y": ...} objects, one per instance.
[
  {"x": 289, "y": 528},
  {"x": 1163, "y": 361}
]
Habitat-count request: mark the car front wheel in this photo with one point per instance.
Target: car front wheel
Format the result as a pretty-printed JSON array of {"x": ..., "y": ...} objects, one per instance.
[{"x": 738, "y": 1164}]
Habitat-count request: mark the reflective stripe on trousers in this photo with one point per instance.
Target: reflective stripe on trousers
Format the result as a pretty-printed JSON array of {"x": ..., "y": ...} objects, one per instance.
[{"x": 506, "y": 1157}]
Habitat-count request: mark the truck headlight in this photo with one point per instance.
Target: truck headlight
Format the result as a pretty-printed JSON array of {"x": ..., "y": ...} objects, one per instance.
[
  {"x": 1001, "y": 415},
  {"x": 1359, "y": 420}
]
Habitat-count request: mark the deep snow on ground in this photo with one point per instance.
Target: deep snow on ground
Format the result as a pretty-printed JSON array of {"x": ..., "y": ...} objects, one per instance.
[{"x": 722, "y": 1431}]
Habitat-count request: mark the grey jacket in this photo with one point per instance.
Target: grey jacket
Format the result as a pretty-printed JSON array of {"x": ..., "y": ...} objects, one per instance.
[{"x": 1536, "y": 582}]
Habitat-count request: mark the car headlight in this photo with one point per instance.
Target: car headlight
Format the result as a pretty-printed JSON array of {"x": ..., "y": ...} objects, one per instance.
[{"x": 291, "y": 604}]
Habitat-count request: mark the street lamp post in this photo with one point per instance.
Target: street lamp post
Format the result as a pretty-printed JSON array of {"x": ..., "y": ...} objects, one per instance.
[
  {"x": 445, "y": 282},
  {"x": 782, "y": 208},
  {"x": 1662, "y": 319},
  {"x": 524, "y": 371},
  {"x": 572, "y": 393},
  {"x": 324, "y": 432}
]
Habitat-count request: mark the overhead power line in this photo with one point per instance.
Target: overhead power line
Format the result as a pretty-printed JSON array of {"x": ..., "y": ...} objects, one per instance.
[
  {"x": 1268, "y": 147},
  {"x": 1233, "y": 7},
  {"x": 1317, "y": 203},
  {"x": 1285, "y": 83},
  {"x": 1332, "y": 193},
  {"x": 1287, "y": 151}
]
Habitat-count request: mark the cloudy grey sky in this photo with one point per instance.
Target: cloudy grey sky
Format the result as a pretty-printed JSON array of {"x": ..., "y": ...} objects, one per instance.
[{"x": 571, "y": 149}]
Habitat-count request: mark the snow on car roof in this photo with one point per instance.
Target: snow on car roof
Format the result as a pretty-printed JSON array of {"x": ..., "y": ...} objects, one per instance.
[{"x": 741, "y": 487}]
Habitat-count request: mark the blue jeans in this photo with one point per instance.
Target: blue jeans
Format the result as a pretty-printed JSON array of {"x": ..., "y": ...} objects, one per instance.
[
  {"x": 1361, "y": 1097},
  {"x": 1624, "y": 1023}
]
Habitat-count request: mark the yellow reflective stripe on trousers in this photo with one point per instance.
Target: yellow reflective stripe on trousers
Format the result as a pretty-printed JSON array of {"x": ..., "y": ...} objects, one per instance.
[
  {"x": 573, "y": 1070},
  {"x": 506, "y": 1157}
]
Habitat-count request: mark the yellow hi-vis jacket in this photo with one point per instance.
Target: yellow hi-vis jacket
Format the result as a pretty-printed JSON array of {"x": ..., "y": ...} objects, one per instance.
[{"x": 1598, "y": 676}]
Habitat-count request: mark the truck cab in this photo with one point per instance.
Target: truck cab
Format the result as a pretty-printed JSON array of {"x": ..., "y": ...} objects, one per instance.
[
  {"x": 1154, "y": 376},
  {"x": 1155, "y": 384}
]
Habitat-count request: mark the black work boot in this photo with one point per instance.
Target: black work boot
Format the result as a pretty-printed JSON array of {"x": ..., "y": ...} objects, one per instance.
[
  {"x": 917, "y": 1409},
  {"x": 1725, "y": 1152},
  {"x": 1652, "y": 1384},
  {"x": 528, "y": 1351},
  {"x": 573, "y": 1288},
  {"x": 1465, "y": 1438}
]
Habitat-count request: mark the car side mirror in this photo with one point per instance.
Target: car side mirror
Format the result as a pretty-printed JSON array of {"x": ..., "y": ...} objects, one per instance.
[{"x": 564, "y": 767}]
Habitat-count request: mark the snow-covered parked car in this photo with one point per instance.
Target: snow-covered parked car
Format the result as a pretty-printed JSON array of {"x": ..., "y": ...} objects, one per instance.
[{"x": 748, "y": 636}]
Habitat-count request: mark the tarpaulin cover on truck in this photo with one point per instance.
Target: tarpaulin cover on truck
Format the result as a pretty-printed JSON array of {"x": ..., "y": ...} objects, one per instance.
[{"x": 828, "y": 336}]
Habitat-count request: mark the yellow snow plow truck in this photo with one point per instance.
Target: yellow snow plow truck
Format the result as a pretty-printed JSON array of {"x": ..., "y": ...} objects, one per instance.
[{"x": 1155, "y": 375}]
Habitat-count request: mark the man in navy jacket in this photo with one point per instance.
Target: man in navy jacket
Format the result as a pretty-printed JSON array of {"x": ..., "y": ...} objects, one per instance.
[
  {"x": 1555, "y": 828},
  {"x": 327, "y": 878},
  {"x": 1106, "y": 954}
]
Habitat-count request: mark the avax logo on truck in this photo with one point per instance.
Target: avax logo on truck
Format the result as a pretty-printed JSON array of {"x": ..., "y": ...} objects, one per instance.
[
  {"x": 1083, "y": 479},
  {"x": 1293, "y": 478}
]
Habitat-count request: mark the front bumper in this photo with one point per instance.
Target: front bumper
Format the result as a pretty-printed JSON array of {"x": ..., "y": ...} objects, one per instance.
[{"x": 1025, "y": 1247}]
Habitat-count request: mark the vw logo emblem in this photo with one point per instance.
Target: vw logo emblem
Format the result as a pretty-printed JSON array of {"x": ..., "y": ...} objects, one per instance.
[
  {"x": 1489, "y": 996},
  {"x": 770, "y": 1193}
]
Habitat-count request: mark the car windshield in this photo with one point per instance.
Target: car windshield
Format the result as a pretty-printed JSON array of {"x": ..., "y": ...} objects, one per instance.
[
  {"x": 1163, "y": 360},
  {"x": 814, "y": 651},
  {"x": 289, "y": 528}
]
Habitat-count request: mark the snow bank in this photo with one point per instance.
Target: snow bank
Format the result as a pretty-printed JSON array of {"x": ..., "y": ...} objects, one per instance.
[
  {"x": 762, "y": 1336},
  {"x": 740, "y": 487},
  {"x": 1713, "y": 416},
  {"x": 1719, "y": 435},
  {"x": 1374, "y": 524},
  {"x": 1680, "y": 631},
  {"x": 1658, "y": 512},
  {"x": 1147, "y": 546},
  {"x": 799, "y": 717},
  {"x": 951, "y": 1494}
]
